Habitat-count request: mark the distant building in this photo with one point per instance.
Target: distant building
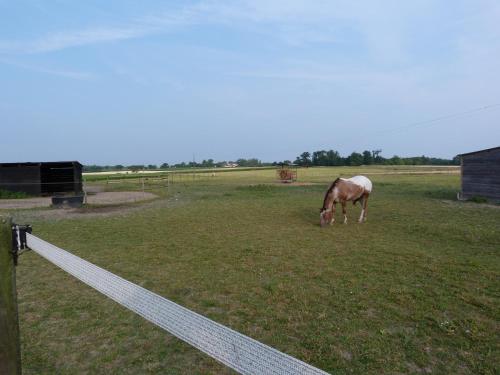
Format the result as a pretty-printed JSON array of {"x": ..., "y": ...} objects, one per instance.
[
  {"x": 481, "y": 174},
  {"x": 42, "y": 178}
]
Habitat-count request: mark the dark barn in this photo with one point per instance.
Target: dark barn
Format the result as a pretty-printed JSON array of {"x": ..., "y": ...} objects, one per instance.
[
  {"x": 44, "y": 178},
  {"x": 481, "y": 174}
]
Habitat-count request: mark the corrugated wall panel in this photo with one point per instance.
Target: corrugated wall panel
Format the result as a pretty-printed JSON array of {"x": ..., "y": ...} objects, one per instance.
[
  {"x": 20, "y": 178},
  {"x": 481, "y": 175}
]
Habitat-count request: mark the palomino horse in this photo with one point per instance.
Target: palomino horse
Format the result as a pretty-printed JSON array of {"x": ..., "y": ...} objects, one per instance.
[{"x": 357, "y": 188}]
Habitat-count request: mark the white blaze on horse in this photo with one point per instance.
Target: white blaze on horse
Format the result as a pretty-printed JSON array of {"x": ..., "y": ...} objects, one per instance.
[{"x": 357, "y": 188}]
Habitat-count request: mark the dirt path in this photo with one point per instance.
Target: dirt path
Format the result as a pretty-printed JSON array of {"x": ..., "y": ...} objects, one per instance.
[
  {"x": 10, "y": 204},
  {"x": 95, "y": 211},
  {"x": 100, "y": 198}
]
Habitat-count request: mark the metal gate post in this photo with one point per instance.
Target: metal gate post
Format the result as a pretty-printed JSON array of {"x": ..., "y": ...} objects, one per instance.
[{"x": 10, "y": 349}]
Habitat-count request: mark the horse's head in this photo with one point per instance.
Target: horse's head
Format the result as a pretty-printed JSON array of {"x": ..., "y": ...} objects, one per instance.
[
  {"x": 326, "y": 214},
  {"x": 325, "y": 217}
]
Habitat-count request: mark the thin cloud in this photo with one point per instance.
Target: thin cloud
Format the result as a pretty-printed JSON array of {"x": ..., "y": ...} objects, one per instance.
[
  {"x": 136, "y": 28},
  {"x": 63, "y": 40},
  {"x": 294, "y": 23},
  {"x": 300, "y": 76},
  {"x": 56, "y": 72}
]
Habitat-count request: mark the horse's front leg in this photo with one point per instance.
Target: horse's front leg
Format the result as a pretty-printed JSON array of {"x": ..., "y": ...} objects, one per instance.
[
  {"x": 334, "y": 206},
  {"x": 344, "y": 211}
]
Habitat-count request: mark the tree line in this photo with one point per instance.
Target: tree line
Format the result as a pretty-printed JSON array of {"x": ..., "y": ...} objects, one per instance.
[
  {"x": 208, "y": 163},
  {"x": 306, "y": 159},
  {"x": 333, "y": 158}
]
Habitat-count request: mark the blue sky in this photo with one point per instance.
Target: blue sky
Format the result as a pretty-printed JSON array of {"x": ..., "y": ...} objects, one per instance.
[{"x": 111, "y": 82}]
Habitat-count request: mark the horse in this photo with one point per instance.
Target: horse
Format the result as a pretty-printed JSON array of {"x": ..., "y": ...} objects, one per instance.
[{"x": 357, "y": 188}]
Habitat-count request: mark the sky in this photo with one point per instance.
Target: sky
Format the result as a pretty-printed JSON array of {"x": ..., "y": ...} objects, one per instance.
[{"x": 148, "y": 82}]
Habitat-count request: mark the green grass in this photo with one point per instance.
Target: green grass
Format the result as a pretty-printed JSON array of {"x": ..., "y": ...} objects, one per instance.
[
  {"x": 478, "y": 200},
  {"x": 7, "y": 194},
  {"x": 414, "y": 290}
]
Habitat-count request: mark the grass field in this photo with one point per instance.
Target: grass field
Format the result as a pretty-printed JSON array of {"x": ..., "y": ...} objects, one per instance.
[{"x": 415, "y": 290}]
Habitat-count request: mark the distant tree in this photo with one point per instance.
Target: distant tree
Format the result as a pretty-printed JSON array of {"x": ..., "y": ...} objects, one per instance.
[
  {"x": 395, "y": 160},
  {"x": 367, "y": 158},
  {"x": 333, "y": 158},
  {"x": 319, "y": 158},
  {"x": 377, "y": 159},
  {"x": 207, "y": 163},
  {"x": 152, "y": 166},
  {"x": 305, "y": 158},
  {"x": 92, "y": 168},
  {"x": 252, "y": 162},
  {"x": 355, "y": 159},
  {"x": 135, "y": 168},
  {"x": 118, "y": 167}
]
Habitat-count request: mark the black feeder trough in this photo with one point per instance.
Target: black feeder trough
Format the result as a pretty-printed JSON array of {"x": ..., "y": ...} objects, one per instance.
[{"x": 67, "y": 201}]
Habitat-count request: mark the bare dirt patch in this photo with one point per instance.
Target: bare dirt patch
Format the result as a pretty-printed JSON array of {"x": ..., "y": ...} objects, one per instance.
[
  {"x": 10, "y": 204},
  {"x": 295, "y": 183},
  {"x": 99, "y": 198},
  {"x": 96, "y": 211}
]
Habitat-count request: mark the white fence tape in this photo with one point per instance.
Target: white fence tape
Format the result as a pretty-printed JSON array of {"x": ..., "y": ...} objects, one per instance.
[{"x": 235, "y": 350}]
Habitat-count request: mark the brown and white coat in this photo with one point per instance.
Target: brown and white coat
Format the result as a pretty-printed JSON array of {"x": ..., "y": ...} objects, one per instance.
[{"x": 357, "y": 188}]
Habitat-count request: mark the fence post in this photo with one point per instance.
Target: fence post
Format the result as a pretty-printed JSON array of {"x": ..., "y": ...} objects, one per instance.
[{"x": 10, "y": 350}]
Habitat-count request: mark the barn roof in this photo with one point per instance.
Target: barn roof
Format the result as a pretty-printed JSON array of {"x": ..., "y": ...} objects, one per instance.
[
  {"x": 28, "y": 164},
  {"x": 479, "y": 151}
]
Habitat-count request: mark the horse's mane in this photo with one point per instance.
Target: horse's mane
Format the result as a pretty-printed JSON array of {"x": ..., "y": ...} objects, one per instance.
[{"x": 329, "y": 191}]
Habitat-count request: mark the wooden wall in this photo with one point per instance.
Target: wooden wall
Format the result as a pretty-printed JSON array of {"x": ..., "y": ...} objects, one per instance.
[
  {"x": 25, "y": 178},
  {"x": 481, "y": 175},
  {"x": 42, "y": 178}
]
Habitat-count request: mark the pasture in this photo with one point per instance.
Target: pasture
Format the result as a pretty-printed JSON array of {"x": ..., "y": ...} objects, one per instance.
[{"x": 415, "y": 289}]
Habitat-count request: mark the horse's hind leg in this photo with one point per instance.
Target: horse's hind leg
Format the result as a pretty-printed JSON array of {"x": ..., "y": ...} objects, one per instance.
[
  {"x": 364, "y": 208},
  {"x": 362, "y": 201}
]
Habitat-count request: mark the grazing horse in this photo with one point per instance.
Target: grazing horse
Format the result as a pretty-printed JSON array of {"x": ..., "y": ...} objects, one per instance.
[{"x": 357, "y": 188}]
